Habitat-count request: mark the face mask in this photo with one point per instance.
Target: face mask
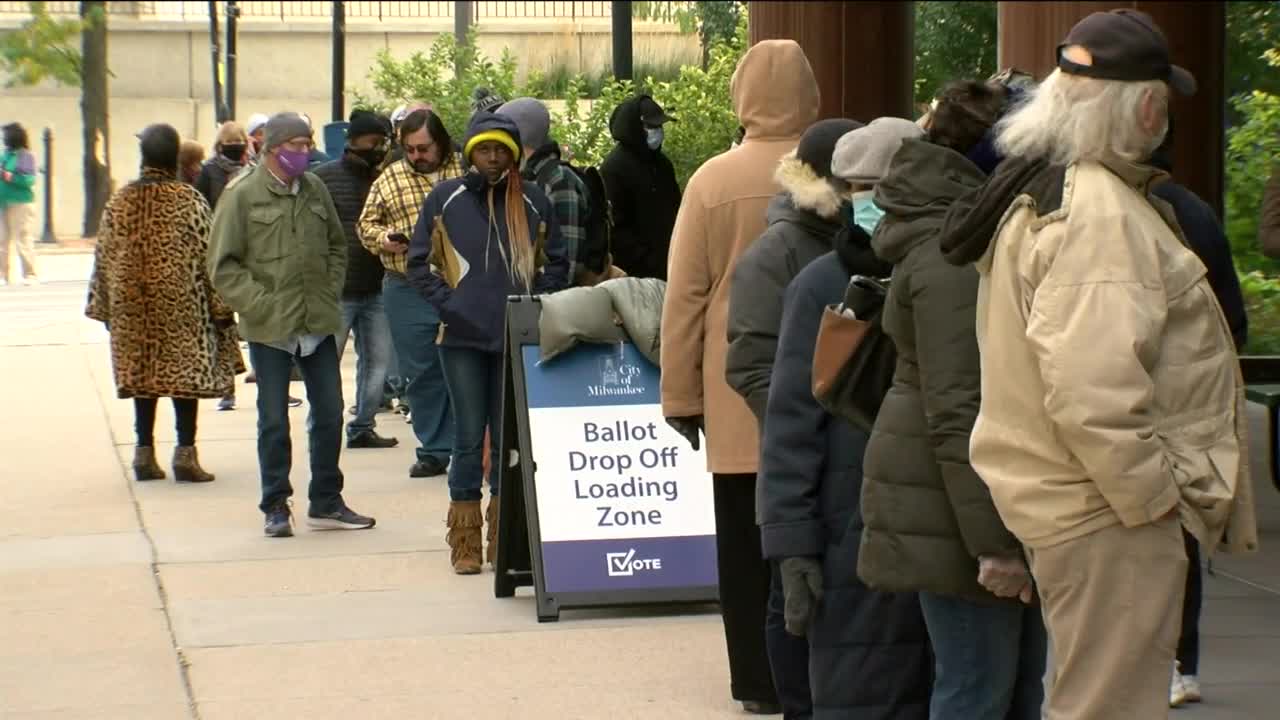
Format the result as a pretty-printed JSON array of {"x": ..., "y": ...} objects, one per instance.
[
  {"x": 292, "y": 162},
  {"x": 654, "y": 137},
  {"x": 863, "y": 212},
  {"x": 372, "y": 157},
  {"x": 234, "y": 153}
]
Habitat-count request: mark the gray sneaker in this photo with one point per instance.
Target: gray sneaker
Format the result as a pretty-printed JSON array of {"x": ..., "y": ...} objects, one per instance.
[
  {"x": 279, "y": 522},
  {"x": 344, "y": 518}
]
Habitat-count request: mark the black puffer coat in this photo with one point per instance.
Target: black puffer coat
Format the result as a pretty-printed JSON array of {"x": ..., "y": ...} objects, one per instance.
[
  {"x": 869, "y": 654},
  {"x": 928, "y": 514},
  {"x": 642, "y": 188},
  {"x": 349, "y": 180}
]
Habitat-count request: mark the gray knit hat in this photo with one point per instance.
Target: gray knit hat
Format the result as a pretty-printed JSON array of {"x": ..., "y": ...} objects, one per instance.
[
  {"x": 283, "y": 127},
  {"x": 533, "y": 119},
  {"x": 862, "y": 156}
]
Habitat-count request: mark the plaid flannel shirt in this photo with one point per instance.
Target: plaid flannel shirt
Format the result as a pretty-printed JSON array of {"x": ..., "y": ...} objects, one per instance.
[
  {"x": 567, "y": 195},
  {"x": 394, "y": 203}
]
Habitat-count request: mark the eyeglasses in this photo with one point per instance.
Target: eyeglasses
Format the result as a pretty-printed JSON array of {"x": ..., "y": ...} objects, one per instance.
[{"x": 419, "y": 149}]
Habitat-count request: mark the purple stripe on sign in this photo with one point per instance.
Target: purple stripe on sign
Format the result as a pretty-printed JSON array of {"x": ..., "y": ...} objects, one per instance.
[{"x": 629, "y": 564}]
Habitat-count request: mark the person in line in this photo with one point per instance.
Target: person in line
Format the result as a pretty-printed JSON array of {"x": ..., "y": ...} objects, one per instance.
[
  {"x": 775, "y": 97},
  {"x": 279, "y": 258},
  {"x": 478, "y": 240},
  {"x": 1111, "y": 410},
  {"x": 386, "y": 224},
  {"x": 190, "y": 158},
  {"x": 316, "y": 157},
  {"x": 803, "y": 219},
  {"x": 257, "y": 130},
  {"x": 176, "y": 339},
  {"x": 1205, "y": 237},
  {"x": 17, "y": 203},
  {"x": 348, "y": 180},
  {"x": 485, "y": 100},
  {"x": 642, "y": 188},
  {"x": 230, "y": 152},
  {"x": 868, "y": 650},
  {"x": 931, "y": 527}
]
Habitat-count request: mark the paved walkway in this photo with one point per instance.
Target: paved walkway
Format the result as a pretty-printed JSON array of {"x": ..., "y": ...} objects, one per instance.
[{"x": 153, "y": 601}]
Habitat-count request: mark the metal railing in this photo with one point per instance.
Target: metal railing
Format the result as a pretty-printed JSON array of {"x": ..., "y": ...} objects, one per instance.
[{"x": 357, "y": 10}]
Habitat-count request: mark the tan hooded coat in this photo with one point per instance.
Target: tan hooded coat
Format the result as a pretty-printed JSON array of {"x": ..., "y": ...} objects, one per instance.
[{"x": 775, "y": 97}]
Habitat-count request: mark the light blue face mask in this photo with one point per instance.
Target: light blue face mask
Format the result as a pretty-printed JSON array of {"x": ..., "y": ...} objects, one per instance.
[
  {"x": 864, "y": 213},
  {"x": 654, "y": 137}
]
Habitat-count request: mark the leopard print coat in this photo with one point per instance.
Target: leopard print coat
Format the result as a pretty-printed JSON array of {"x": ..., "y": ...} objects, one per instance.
[{"x": 171, "y": 335}]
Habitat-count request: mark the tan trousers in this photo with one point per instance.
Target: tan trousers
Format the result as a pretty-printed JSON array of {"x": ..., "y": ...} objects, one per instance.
[
  {"x": 1112, "y": 603},
  {"x": 18, "y": 229}
]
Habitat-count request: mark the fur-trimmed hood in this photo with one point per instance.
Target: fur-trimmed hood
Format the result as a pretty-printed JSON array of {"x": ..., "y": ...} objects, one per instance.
[{"x": 807, "y": 190}]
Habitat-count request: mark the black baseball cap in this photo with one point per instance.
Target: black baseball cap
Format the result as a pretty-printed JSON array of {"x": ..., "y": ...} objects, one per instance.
[
  {"x": 1126, "y": 45},
  {"x": 652, "y": 114}
]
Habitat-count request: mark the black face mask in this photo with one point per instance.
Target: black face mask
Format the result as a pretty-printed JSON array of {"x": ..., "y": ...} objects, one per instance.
[
  {"x": 372, "y": 157},
  {"x": 234, "y": 153}
]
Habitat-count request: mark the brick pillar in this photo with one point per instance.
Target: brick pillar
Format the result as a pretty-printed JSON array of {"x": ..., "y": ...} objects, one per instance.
[
  {"x": 1030, "y": 33},
  {"x": 862, "y": 53}
]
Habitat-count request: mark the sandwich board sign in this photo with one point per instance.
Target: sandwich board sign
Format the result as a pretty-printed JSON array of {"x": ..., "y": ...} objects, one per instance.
[{"x": 618, "y": 509}]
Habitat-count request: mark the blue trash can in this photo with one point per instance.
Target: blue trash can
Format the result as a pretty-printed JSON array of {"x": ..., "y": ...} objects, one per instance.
[{"x": 335, "y": 138}]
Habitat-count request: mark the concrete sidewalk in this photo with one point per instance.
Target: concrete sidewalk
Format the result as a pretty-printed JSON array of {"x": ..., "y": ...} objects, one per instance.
[{"x": 141, "y": 601}]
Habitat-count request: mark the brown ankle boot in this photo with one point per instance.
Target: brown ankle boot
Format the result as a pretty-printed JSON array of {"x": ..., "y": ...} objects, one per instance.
[
  {"x": 491, "y": 532},
  {"x": 145, "y": 466},
  {"x": 467, "y": 550},
  {"x": 186, "y": 466}
]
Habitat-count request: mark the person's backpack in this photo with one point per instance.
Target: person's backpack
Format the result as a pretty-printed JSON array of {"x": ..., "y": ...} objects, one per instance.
[{"x": 597, "y": 221}]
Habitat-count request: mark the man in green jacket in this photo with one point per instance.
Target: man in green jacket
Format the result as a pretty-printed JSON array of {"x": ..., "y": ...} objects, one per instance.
[{"x": 278, "y": 256}]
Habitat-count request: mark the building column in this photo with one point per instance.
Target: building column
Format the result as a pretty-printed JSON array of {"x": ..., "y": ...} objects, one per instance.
[
  {"x": 862, "y": 53},
  {"x": 1031, "y": 31}
]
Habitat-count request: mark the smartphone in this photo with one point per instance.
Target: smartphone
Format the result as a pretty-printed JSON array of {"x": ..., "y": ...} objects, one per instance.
[{"x": 398, "y": 238}]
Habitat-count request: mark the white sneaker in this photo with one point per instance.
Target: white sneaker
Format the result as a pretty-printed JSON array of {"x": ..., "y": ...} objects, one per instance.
[
  {"x": 31, "y": 281},
  {"x": 1183, "y": 689},
  {"x": 3, "y": 282}
]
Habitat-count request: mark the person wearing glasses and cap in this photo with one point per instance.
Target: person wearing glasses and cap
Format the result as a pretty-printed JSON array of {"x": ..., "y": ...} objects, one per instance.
[
  {"x": 642, "y": 188},
  {"x": 279, "y": 257},
  {"x": 1111, "y": 412}
]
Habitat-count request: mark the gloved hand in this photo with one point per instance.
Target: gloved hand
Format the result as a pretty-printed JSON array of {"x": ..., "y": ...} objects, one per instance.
[
  {"x": 689, "y": 427},
  {"x": 1006, "y": 576},
  {"x": 802, "y": 590}
]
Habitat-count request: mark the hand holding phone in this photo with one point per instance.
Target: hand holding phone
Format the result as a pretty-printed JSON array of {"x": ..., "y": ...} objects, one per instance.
[{"x": 396, "y": 242}]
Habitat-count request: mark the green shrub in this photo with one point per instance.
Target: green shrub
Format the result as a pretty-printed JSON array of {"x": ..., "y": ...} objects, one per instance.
[
  {"x": 1262, "y": 305},
  {"x": 1253, "y": 148}
]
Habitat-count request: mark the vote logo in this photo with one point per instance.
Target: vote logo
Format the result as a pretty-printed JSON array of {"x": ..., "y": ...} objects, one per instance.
[{"x": 627, "y": 564}]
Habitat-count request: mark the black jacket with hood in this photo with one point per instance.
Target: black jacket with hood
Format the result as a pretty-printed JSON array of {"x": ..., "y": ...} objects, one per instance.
[
  {"x": 928, "y": 515},
  {"x": 803, "y": 221},
  {"x": 868, "y": 650},
  {"x": 348, "y": 180},
  {"x": 645, "y": 196}
]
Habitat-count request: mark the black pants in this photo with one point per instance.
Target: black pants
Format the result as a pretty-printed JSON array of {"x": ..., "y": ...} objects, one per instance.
[
  {"x": 144, "y": 416},
  {"x": 744, "y": 588},
  {"x": 788, "y": 656},
  {"x": 1189, "y": 640}
]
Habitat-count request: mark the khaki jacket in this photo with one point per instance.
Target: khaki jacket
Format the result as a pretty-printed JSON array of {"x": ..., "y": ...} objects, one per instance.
[
  {"x": 775, "y": 96},
  {"x": 1111, "y": 391}
]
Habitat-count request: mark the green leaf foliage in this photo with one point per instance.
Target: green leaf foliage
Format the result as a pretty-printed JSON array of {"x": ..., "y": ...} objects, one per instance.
[
  {"x": 954, "y": 41},
  {"x": 42, "y": 48}
]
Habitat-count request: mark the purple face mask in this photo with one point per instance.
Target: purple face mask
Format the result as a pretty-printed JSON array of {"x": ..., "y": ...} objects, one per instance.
[{"x": 292, "y": 162}]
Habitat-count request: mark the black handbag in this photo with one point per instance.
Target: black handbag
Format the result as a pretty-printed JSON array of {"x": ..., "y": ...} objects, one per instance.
[{"x": 853, "y": 360}]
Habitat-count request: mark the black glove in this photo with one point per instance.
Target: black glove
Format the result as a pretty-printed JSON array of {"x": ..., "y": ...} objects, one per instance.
[
  {"x": 802, "y": 590},
  {"x": 688, "y": 427}
]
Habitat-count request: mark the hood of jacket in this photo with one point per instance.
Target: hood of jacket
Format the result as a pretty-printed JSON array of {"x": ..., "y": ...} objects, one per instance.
[
  {"x": 971, "y": 221},
  {"x": 775, "y": 94},
  {"x": 807, "y": 190},
  {"x": 626, "y": 126},
  {"x": 924, "y": 179},
  {"x": 783, "y": 209}
]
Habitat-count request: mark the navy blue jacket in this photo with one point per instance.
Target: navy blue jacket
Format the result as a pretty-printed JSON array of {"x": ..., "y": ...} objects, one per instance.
[
  {"x": 1205, "y": 237},
  {"x": 869, "y": 653}
]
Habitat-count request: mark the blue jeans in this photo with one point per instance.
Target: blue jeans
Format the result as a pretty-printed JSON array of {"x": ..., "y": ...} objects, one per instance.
[
  {"x": 788, "y": 655},
  {"x": 475, "y": 386},
  {"x": 989, "y": 660},
  {"x": 364, "y": 315},
  {"x": 414, "y": 326},
  {"x": 323, "y": 380}
]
